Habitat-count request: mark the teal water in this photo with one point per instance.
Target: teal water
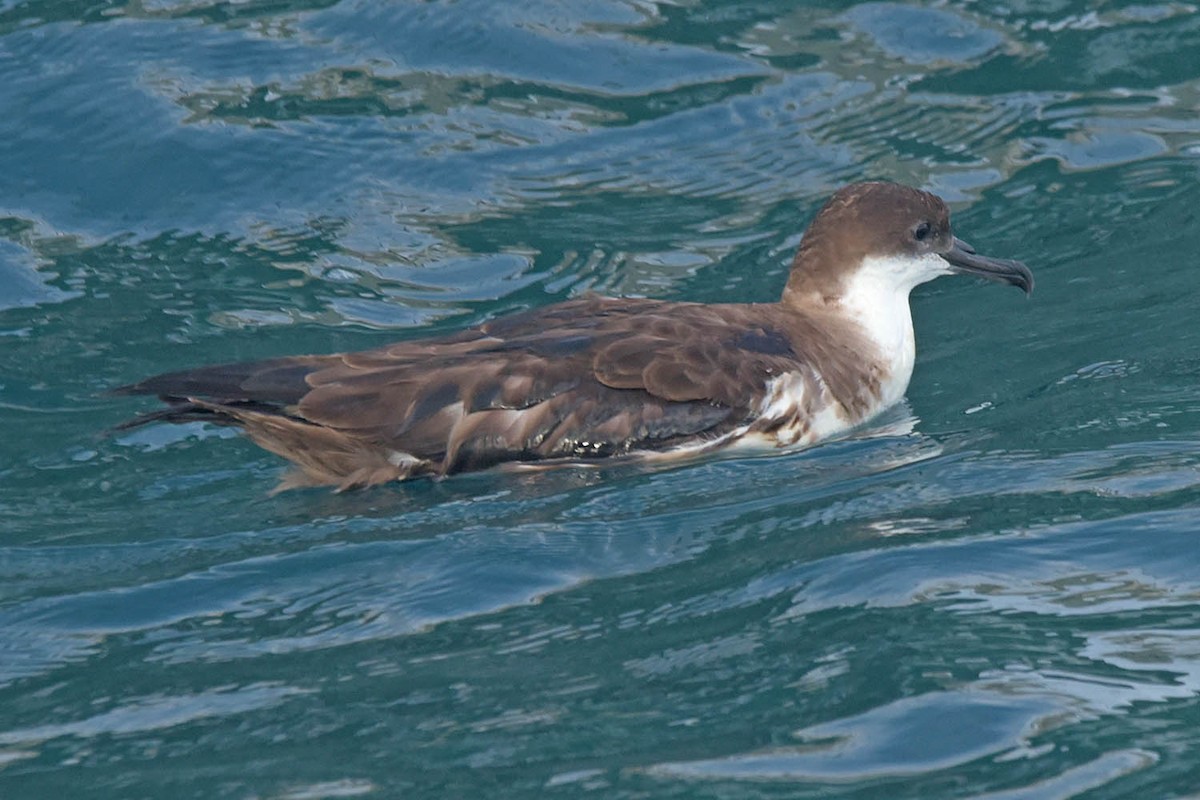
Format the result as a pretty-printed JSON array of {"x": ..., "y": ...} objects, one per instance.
[{"x": 993, "y": 592}]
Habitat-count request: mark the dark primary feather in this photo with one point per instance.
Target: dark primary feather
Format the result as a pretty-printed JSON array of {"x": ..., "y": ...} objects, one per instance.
[
  {"x": 589, "y": 377},
  {"x": 278, "y": 380}
]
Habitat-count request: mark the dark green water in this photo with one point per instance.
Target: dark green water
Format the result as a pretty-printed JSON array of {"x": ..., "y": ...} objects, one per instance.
[{"x": 994, "y": 592}]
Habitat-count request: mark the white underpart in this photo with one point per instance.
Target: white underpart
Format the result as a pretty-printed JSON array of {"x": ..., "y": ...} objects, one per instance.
[{"x": 876, "y": 297}]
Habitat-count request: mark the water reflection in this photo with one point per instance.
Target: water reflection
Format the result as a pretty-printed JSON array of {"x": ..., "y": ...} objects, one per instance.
[{"x": 989, "y": 594}]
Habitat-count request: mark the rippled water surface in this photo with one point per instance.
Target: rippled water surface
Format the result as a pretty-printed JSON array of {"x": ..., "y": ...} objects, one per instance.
[{"x": 992, "y": 592}]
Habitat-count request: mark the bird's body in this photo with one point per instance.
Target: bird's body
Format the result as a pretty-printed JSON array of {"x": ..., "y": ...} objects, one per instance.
[{"x": 597, "y": 376}]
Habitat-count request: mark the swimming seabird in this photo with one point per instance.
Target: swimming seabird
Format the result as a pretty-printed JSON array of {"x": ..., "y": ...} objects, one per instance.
[{"x": 598, "y": 377}]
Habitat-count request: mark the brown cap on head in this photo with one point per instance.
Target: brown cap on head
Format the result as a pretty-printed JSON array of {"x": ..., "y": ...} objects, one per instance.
[
  {"x": 884, "y": 219},
  {"x": 860, "y": 220}
]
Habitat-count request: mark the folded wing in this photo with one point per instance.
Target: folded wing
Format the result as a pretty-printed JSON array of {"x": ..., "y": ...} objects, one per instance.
[{"x": 589, "y": 377}]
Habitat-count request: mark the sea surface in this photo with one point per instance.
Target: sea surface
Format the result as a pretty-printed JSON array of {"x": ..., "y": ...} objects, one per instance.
[{"x": 991, "y": 592}]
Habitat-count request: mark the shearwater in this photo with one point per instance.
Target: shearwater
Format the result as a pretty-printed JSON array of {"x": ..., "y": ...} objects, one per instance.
[{"x": 601, "y": 377}]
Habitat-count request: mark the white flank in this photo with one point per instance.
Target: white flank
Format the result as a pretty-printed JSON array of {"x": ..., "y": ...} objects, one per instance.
[
  {"x": 785, "y": 394},
  {"x": 398, "y": 458}
]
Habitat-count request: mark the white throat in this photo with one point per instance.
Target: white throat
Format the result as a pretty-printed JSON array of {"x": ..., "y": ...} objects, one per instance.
[{"x": 876, "y": 297}]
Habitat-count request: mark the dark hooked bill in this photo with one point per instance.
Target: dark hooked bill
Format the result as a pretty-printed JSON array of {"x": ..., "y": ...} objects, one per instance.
[{"x": 965, "y": 260}]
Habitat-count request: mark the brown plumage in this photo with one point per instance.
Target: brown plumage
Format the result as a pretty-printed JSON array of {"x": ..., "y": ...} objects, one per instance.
[
  {"x": 591, "y": 377},
  {"x": 583, "y": 379}
]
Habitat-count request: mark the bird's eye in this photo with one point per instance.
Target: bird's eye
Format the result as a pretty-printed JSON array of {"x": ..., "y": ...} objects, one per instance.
[{"x": 922, "y": 231}]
